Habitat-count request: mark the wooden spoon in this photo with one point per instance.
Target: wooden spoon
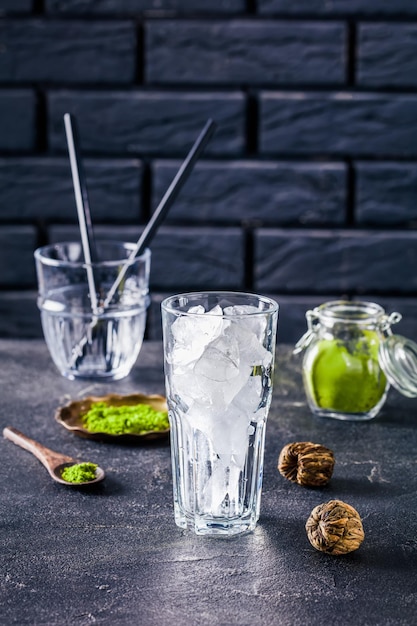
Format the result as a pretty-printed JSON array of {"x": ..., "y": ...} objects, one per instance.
[{"x": 53, "y": 461}]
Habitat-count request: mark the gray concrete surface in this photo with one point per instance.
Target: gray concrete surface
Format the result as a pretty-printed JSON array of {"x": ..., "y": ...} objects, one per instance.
[{"x": 112, "y": 555}]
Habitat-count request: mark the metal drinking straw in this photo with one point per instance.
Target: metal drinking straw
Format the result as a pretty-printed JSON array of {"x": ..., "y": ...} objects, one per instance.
[
  {"x": 163, "y": 207},
  {"x": 83, "y": 207},
  {"x": 153, "y": 224}
]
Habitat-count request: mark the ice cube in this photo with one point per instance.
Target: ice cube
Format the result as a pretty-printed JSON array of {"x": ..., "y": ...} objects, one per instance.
[
  {"x": 226, "y": 429},
  {"x": 251, "y": 350},
  {"x": 221, "y": 491},
  {"x": 219, "y": 373},
  {"x": 193, "y": 333},
  {"x": 248, "y": 318},
  {"x": 249, "y": 397},
  {"x": 181, "y": 385},
  {"x": 219, "y": 362},
  {"x": 214, "y": 490}
]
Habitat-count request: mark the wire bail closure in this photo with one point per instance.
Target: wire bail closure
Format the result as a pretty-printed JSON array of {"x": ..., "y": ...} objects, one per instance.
[{"x": 312, "y": 317}]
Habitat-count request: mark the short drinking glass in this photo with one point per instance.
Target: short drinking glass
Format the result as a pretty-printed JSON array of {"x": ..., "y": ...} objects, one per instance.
[
  {"x": 219, "y": 350},
  {"x": 83, "y": 343}
]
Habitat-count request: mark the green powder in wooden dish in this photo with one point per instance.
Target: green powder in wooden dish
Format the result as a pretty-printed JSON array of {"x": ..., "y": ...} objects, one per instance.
[{"x": 122, "y": 420}]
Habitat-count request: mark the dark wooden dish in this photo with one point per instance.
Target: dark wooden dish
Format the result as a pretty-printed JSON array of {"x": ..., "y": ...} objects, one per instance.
[{"x": 70, "y": 416}]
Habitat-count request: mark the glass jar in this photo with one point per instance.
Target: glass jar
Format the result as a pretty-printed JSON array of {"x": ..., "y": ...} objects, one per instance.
[{"x": 344, "y": 373}]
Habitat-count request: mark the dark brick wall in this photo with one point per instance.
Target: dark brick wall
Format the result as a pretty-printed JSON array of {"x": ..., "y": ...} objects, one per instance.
[{"x": 308, "y": 190}]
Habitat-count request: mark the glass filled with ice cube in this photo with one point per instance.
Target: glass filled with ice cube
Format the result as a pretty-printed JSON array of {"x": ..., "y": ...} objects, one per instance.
[{"x": 219, "y": 351}]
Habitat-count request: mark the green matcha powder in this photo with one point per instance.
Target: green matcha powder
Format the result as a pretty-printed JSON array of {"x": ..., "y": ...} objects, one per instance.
[
  {"x": 346, "y": 377},
  {"x": 79, "y": 473},
  {"x": 121, "y": 420}
]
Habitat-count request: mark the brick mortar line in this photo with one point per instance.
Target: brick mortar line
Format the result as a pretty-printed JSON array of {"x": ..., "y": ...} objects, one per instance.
[
  {"x": 248, "y": 15},
  {"x": 204, "y": 89}
]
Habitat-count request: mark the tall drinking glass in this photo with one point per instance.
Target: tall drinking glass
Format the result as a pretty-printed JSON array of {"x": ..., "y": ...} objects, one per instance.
[{"x": 219, "y": 350}]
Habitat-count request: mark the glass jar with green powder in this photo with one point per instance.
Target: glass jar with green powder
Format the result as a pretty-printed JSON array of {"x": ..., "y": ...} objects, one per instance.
[{"x": 351, "y": 358}]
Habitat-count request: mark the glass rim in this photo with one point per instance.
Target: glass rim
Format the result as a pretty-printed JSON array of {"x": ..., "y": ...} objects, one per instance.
[
  {"x": 166, "y": 304},
  {"x": 42, "y": 257},
  {"x": 355, "y": 311}
]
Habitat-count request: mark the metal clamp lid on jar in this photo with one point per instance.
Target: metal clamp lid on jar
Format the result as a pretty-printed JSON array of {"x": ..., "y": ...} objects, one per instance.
[{"x": 397, "y": 354}]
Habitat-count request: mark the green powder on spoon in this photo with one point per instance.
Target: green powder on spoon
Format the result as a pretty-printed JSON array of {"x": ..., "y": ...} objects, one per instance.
[{"x": 79, "y": 472}]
